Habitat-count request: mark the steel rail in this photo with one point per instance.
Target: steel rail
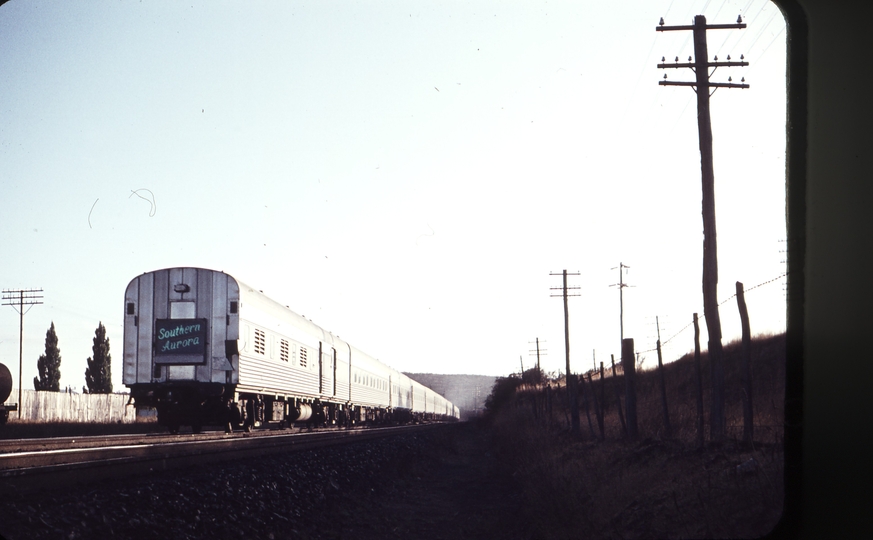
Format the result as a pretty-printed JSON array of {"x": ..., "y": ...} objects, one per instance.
[
  {"x": 36, "y": 444},
  {"x": 49, "y": 469}
]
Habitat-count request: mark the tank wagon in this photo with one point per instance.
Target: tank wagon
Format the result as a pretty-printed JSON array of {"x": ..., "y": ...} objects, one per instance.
[
  {"x": 202, "y": 348},
  {"x": 5, "y": 390}
]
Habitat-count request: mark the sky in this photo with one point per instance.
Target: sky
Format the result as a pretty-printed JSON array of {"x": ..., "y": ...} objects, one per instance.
[{"x": 407, "y": 176}]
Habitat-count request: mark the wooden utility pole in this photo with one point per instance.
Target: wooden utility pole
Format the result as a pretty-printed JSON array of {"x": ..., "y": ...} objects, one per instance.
[
  {"x": 702, "y": 86},
  {"x": 538, "y": 351},
  {"x": 571, "y": 380},
  {"x": 621, "y": 285},
  {"x": 667, "y": 429},
  {"x": 21, "y": 297},
  {"x": 746, "y": 364}
]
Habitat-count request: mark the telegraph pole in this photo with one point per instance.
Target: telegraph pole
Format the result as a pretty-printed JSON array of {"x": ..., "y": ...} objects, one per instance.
[
  {"x": 22, "y": 297},
  {"x": 571, "y": 381},
  {"x": 621, "y": 285},
  {"x": 702, "y": 85},
  {"x": 538, "y": 351}
]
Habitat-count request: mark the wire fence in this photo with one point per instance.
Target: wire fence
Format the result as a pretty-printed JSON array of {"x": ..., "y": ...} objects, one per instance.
[{"x": 703, "y": 317}]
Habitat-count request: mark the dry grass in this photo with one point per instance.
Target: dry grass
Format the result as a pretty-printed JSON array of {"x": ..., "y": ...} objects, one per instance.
[{"x": 656, "y": 487}]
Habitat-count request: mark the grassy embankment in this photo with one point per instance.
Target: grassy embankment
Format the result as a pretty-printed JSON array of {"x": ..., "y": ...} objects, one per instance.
[{"x": 654, "y": 487}]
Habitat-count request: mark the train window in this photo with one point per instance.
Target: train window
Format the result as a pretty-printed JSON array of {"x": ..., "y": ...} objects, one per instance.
[
  {"x": 234, "y": 307},
  {"x": 130, "y": 308},
  {"x": 283, "y": 350},
  {"x": 260, "y": 342}
]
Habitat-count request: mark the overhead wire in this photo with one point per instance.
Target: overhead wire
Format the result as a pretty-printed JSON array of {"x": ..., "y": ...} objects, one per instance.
[{"x": 703, "y": 317}]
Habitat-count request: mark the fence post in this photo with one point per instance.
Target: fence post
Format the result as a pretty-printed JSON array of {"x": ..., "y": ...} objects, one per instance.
[
  {"x": 585, "y": 393},
  {"x": 668, "y": 430},
  {"x": 602, "y": 404},
  {"x": 598, "y": 408},
  {"x": 746, "y": 360},
  {"x": 699, "y": 370},
  {"x": 630, "y": 397},
  {"x": 618, "y": 397},
  {"x": 549, "y": 403}
]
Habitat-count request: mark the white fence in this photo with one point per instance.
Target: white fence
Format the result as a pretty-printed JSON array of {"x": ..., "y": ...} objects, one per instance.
[{"x": 70, "y": 407}]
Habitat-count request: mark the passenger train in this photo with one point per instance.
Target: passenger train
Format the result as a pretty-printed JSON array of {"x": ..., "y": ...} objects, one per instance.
[{"x": 203, "y": 348}]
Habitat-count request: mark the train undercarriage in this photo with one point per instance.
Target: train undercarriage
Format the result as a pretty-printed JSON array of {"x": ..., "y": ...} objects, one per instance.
[{"x": 199, "y": 405}]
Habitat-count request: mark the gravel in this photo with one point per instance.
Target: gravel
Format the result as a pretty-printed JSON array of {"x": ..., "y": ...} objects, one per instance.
[{"x": 436, "y": 484}]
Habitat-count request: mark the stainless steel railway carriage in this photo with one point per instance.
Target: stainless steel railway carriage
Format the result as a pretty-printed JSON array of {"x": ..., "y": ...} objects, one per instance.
[{"x": 203, "y": 348}]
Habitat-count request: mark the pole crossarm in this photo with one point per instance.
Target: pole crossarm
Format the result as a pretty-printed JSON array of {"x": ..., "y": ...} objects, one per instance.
[
  {"x": 707, "y": 64},
  {"x": 561, "y": 289},
  {"x": 14, "y": 297},
  {"x": 708, "y": 27},
  {"x": 701, "y": 66},
  {"x": 711, "y": 85}
]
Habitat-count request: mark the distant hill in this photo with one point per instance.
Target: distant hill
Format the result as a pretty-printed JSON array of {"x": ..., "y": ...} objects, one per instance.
[{"x": 467, "y": 392}]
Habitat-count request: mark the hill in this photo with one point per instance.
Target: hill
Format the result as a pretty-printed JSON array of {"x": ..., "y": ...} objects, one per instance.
[{"x": 467, "y": 392}]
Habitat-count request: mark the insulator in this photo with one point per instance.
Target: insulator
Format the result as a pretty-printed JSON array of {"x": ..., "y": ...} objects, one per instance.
[
  {"x": 742, "y": 57},
  {"x": 743, "y": 79},
  {"x": 729, "y": 58},
  {"x": 716, "y": 58},
  {"x": 662, "y": 59},
  {"x": 739, "y": 19},
  {"x": 689, "y": 58},
  {"x": 662, "y": 22},
  {"x": 677, "y": 59},
  {"x": 665, "y": 75},
  {"x": 730, "y": 79}
]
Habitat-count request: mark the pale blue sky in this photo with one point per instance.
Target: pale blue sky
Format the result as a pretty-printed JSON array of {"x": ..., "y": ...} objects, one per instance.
[{"x": 407, "y": 176}]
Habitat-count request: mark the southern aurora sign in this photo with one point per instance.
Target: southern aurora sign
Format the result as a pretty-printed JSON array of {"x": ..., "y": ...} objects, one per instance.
[{"x": 180, "y": 341}]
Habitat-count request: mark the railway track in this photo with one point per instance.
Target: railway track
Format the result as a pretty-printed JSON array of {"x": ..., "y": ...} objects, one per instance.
[{"x": 28, "y": 465}]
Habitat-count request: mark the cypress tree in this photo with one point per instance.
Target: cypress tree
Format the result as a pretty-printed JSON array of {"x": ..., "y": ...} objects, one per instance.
[
  {"x": 49, "y": 364},
  {"x": 98, "y": 374}
]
